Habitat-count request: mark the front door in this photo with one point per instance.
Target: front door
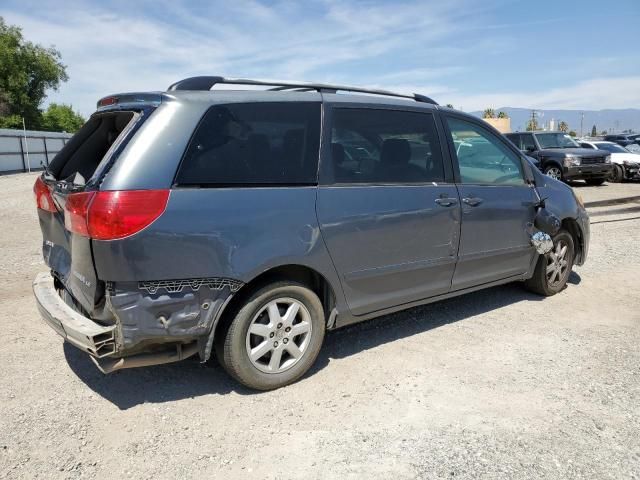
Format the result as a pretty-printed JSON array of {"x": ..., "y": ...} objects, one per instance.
[
  {"x": 497, "y": 206},
  {"x": 387, "y": 206}
]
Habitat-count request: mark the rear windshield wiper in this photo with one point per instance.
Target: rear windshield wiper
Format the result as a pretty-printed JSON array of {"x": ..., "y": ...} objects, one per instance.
[{"x": 47, "y": 173}]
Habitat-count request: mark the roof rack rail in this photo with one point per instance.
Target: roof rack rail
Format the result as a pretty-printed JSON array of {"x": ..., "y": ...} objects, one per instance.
[{"x": 207, "y": 82}]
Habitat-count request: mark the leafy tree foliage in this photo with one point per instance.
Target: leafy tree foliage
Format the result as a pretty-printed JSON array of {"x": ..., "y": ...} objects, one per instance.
[
  {"x": 532, "y": 125},
  {"x": 563, "y": 127},
  {"x": 594, "y": 132},
  {"x": 502, "y": 114},
  {"x": 61, "y": 118},
  {"x": 489, "y": 113},
  {"x": 27, "y": 72}
]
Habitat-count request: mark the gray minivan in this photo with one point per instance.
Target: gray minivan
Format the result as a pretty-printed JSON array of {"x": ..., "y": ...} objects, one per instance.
[{"x": 246, "y": 223}]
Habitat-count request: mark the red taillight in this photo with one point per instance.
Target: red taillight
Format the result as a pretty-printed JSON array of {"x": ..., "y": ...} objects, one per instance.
[
  {"x": 110, "y": 215},
  {"x": 107, "y": 101},
  {"x": 75, "y": 212},
  {"x": 44, "y": 200}
]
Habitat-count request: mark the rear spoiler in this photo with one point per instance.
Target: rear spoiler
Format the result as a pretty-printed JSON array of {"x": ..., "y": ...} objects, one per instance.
[{"x": 129, "y": 100}]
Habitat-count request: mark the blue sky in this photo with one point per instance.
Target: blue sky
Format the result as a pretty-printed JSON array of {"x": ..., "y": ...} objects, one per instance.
[{"x": 471, "y": 53}]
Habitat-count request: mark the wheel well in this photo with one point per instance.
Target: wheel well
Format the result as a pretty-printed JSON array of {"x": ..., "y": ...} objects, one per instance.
[
  {"x": 548, "y": 162},
  {"x": 571, "y": 226},
  {"x": 298, "y": 273}
]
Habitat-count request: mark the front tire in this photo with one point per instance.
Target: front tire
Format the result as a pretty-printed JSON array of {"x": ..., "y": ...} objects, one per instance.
[
  {"x": 554, "y": 171},
  {"x": 553, "y": 269},
  {"x": 275, "y": 337},
  {"x": 617, "y": 174}
]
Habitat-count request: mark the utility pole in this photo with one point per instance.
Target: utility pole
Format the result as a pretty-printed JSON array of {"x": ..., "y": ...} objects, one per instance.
[
  {"x": 26, "y": 144},
  {"x": 581, "y": 122}
]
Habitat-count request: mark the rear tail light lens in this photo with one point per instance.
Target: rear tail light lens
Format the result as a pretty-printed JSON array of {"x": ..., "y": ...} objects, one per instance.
[
  {"x": 111, "y": 215},
  {"x": 75, "y": 212},
  {"x": 44, "y": 200}
]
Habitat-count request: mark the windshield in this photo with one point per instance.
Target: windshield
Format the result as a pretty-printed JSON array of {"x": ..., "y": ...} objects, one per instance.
[
  {"x": 555, "y": 140},
  {"x": 611, "y": 147},
  {"x": 633, "y": 148}
]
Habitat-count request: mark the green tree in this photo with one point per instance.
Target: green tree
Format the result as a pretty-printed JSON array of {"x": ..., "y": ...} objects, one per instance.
[
  {"x": 449, "y": 105},
  {"x": 563, "y": 127},
  {"x": 502, "y": 114},
  {"x": 603, "y": 132},
  {"x": 573, "y": 133},
  {"x": 594, "y": 132},
  {"x": 61, "y": 118},
  {"x": 532, "y": 125},
  {"x": 489, "y": 113},
  {"x": 27, "y": 71}
]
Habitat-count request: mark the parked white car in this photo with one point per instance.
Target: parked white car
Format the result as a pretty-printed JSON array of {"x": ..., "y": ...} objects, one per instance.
[{"x": 626, "y": 164}]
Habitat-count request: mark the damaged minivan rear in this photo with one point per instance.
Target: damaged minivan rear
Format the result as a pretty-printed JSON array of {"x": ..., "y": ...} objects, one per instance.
[
  {"x": 116, "y": 315},
  {"x": 244, "y": 224}
]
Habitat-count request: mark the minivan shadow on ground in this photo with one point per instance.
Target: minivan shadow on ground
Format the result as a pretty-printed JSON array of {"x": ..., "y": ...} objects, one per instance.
[{"x": 164, "y": 383}]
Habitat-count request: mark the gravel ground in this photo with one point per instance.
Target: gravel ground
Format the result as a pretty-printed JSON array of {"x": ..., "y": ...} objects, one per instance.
[
  {"x": 607, "y": 190},
  {"x": 496, "y": 384}
]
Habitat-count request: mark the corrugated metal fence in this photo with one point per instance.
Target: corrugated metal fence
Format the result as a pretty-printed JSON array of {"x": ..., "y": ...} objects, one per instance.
[{"x": 19, "y": 154}]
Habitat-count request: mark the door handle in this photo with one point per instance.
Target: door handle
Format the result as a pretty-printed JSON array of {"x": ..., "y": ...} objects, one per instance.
[
  {"x": 472, "y": 201},
  {"x": 446, "y": 202}
]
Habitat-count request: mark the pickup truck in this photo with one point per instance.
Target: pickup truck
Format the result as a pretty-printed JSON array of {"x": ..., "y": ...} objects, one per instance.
[{"x": 560, "y": 157}]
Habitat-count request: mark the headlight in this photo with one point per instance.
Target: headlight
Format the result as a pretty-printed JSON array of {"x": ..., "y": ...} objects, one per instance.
[
  {"x": 607, "y": 159},
  {"x": 568, "y": 161}
]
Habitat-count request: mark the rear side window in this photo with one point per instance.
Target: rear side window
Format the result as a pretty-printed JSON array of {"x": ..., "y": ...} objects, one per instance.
[
  {"x": 515, "y": 139},
  {"x": 271, "y": 143},
  {"x": 527, "y": 142},
  {"x": 384, "y": 146}
]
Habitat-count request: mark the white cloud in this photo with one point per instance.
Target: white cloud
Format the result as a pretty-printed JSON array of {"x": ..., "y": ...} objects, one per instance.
[
  {"x": 113, "y": 50},
  {"x": 593, "y": 94},
  {"x": 108, "y": 51}
]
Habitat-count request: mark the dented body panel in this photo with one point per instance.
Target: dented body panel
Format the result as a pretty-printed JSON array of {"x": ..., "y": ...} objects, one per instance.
[
  {"x": 160, "y": 293},
  {"x": 165, "y": 315}
]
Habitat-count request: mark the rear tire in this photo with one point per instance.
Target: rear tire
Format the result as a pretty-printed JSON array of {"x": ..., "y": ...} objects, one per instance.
[
  {"x": 596, "y": 182},
  {"x": 553, "y": 269},
  {"x": 274, "y": 338}
]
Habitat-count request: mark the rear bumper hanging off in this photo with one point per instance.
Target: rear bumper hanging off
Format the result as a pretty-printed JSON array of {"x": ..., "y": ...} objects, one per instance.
[{"x": 95, "y": 339}]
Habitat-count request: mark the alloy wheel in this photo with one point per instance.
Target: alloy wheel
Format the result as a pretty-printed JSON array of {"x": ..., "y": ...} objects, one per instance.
[
  {"x": 279, "y": 335},
  {"x": 554, "y": 172},
  {"x": 557, "y": 264}
]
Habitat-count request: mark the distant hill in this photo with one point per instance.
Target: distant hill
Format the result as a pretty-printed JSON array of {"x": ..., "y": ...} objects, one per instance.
[{"x": 610, "y": 120}]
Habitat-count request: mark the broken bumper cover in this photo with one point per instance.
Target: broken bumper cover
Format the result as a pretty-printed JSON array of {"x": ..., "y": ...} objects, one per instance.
[
  {"x": 84, "y": 333},
  {"x": 97, "y": 340}
]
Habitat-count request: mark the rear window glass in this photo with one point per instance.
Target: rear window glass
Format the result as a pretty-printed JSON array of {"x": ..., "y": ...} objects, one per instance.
[
  {"x": 81, "y": 155},
  {"x": 254, "y": 144},
  {"x": 384, "y": 146}
]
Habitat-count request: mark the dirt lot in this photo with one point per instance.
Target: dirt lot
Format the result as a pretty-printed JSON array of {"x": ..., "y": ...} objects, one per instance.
[{"x": 497, "y": 384}]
